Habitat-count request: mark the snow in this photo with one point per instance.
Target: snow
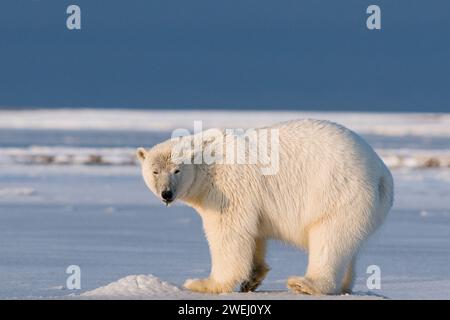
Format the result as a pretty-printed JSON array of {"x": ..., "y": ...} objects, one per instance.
[
  {"x": 395, "y": 124},
  {"x": 61, "y": 206},
  {"x": 140, "y": 287},
  {"x": 103, "y": 219}
]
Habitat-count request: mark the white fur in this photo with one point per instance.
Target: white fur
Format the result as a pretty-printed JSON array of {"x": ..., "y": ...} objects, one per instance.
[{"x": 330, "y": 193}]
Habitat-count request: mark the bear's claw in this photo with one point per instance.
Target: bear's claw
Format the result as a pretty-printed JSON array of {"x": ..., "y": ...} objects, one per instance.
[{"x": 257, "y": 276}]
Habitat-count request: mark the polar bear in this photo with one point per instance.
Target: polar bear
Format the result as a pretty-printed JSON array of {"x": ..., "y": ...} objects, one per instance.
[{"x": 331, "y": 191}]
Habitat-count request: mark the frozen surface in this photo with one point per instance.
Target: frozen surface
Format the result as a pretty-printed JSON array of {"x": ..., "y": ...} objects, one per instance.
[
  {"x": 104, "y": 220},
  {"x": 70, "y": 194},
  {"x": 150, "y": 287}
]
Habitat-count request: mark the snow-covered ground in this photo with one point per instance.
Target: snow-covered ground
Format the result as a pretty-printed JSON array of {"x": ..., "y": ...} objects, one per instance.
[
  {"x": 57, "y": 211},
  {"x": 393, "y": 124}
]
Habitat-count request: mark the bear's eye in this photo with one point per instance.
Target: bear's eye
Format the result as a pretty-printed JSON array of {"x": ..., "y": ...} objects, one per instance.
[
  {"x": 155, "y": 172},
  {"x": 176, "y": 171}
]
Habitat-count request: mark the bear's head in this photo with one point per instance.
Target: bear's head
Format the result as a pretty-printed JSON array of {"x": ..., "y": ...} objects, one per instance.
[{"x": 166, "y": 178}]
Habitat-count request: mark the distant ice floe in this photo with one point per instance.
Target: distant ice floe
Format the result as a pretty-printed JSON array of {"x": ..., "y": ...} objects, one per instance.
[
  {"x": 67, "y": 156},
  {"x": 412, "y": 158},
  {"x": 383, "y": 124},
  {"x": 388, "y": 124},
  {"x": 394, "y": 158},
  {"x": 16, "y": 192}
]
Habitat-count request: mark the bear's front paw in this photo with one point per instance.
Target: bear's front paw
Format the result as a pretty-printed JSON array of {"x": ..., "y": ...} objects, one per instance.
[
  {"x": 207, "y": 286},
  {"x": 302, "y": 285}
]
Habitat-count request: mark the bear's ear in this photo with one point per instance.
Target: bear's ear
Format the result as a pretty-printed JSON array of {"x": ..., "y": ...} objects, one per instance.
[{"x": 141, "y": 153}]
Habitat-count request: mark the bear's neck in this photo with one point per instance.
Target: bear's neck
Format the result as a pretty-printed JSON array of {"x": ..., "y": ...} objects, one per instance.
[{"x": 199, "y": 188}]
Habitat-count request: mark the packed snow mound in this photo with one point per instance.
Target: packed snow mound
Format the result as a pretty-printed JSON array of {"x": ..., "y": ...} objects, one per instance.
[
  {"x": 149, "y": 287},
  {"x": 136, "y": 287}
]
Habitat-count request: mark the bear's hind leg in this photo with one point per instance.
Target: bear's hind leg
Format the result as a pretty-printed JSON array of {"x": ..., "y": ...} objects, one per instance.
[
  {"x": 349, "y": 278},
  {"x": 332, "y": 246},
  {"x": 259, "y": 270}
]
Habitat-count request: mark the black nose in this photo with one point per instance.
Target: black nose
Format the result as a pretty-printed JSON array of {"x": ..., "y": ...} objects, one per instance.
[{"x": 167, "y": 195}]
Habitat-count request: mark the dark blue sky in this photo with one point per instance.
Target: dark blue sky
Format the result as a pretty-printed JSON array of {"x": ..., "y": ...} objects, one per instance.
[{"x": 240, "y": 54}]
